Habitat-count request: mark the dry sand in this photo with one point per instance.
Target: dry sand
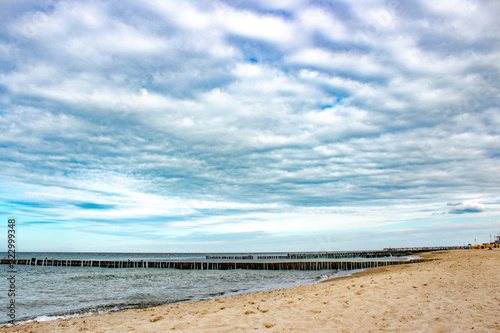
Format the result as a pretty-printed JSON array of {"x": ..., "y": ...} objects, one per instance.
[{"x": 459, "y": 293}]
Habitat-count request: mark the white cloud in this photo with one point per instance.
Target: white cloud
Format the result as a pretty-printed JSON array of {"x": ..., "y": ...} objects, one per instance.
[
  {"x": 248, "y": 24},
  {"x": 341, "y": 62},
  {"x": 467, "y": 207},
  {"x": 268, "y": 117},
  {"x": 317, "y": 20}
]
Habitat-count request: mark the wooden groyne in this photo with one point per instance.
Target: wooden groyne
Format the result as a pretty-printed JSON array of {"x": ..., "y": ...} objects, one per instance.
[
  {"x": 337, "y": 255},
  {"x": 388, "y": 252},
  {"x": 248, "y": 257},
  {"x": 288, "y": 265}
]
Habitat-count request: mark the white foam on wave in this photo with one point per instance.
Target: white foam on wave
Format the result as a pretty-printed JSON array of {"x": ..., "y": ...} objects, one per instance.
[
  {"x": 339, "y": 274},
  {"x": 41, "y": 319}
]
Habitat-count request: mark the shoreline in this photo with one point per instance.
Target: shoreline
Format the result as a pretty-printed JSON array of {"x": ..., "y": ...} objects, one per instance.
[
  {"x": 459, "y": 292},
  {"x": 266, "y": 285},
  {"x": 375, "y": 270},
  {"x": 116, "y": 308}
]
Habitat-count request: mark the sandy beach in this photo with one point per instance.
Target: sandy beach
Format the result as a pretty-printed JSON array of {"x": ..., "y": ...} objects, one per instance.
[{"x": 458, "y": 293}]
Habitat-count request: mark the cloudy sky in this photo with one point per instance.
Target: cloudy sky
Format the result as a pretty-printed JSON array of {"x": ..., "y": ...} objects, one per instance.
[{"x": 249, "y": 125}]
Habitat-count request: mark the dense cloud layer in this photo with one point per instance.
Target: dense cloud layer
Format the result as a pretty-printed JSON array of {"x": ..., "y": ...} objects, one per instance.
[{"x": 216, "y": 125}]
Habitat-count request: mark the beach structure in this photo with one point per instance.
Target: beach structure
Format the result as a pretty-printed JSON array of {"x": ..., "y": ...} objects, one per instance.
[
  {"x": 485, "y": 246},
  {"x": 387, "y": 252},
  {"x": 491, "y": 245},
  {"x": 291, "y": 261},
  {"x": 310, "y": 265}
]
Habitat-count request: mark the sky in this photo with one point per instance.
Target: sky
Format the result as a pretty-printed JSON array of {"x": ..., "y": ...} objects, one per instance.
[{"x": 229, "y": 126}]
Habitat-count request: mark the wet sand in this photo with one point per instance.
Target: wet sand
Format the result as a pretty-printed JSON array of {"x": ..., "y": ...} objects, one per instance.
[{"x": 458, "y": 293}]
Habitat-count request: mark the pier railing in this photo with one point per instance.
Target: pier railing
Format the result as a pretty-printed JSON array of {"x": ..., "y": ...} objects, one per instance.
[{"x": 422, "y": 249}]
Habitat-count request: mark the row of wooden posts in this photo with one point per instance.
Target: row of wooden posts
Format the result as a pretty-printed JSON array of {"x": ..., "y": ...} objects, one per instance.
[
  {"x": 288, "y": 265},
  {"x": 326, "y": 255},
  {"x": 338, "y": 255}
]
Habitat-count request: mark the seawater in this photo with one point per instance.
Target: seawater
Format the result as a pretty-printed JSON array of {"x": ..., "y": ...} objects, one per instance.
[{"x": 48, "y": 291}]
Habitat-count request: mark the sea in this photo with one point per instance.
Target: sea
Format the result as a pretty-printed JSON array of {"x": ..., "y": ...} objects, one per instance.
[{"x": 50, "y": 292}]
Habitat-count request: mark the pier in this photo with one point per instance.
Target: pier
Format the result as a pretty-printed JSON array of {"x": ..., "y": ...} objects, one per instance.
[{"x": 217, "y": 265}]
